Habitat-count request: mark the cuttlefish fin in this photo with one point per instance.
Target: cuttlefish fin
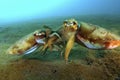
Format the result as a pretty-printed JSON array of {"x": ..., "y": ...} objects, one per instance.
[
  {"x": 88, "y": 44},
  {"x": 112, "y": 44},
  {"x": 32, "y": 49},
  {"x": 69, "y": 46}
]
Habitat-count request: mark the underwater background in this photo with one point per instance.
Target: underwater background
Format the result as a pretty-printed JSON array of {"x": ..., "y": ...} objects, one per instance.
[{"x": 19, "y": 18}]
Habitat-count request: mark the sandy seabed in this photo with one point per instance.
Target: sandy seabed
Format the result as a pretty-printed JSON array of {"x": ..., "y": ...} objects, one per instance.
[{"x": 107, "y": 68}]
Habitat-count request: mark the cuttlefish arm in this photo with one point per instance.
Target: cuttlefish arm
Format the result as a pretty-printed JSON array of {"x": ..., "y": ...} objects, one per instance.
[
  {"x": 69, "y": 46},
  {"x": 40, "y": 41},
  {"x": 35, "y": 47},
  {"x": 55, "y": 34},
  {"x": 32, "y": 49},
  {"x": 51, "y": 40}
]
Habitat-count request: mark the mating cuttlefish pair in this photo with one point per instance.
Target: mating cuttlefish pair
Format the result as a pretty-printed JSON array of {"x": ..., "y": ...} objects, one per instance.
[{"x": 88, "y": 35}]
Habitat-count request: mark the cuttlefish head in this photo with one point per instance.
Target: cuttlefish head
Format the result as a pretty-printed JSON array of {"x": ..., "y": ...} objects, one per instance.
[
  {"x": 40, "y": 37},
  {"x": 71, "y": 24}
]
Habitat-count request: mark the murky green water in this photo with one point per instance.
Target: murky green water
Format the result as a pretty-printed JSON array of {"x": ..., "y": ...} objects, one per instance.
[{"x": 85, "y": 64}]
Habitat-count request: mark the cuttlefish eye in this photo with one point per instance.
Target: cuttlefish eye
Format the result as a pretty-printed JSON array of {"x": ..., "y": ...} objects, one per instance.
[
  {"x": 40, "y": 34},
  {"x": 74, "y": 23},
  {"x": 65, "y": 23}
]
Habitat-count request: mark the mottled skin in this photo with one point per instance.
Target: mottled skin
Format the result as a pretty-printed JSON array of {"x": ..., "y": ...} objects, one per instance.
[
  {"x": 24, "y": 44},
  {"x": 96, "y": 35}
]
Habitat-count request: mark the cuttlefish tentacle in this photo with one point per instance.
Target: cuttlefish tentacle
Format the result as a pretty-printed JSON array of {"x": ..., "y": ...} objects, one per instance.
[
  {"x": 52, "y": 38},
  {"x": 69, "y": 46}
]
